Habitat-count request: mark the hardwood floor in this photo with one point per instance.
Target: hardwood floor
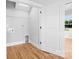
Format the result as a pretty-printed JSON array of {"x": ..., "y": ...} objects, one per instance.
[
  {"x": 68, "y": 48},
  {"x": 28, "y": 51}
]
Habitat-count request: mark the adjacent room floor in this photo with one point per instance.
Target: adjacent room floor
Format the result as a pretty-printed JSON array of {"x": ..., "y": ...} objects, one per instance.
[{"x": 68, "y": 48}]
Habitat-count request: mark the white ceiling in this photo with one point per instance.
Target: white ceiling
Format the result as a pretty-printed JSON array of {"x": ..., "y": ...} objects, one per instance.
[
  {"x": 47, "y": 2},
  {"x": 68, "y": 6}
]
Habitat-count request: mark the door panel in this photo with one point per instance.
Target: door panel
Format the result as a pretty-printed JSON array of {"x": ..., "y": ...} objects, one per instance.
[{"x": 51, "y": 23}]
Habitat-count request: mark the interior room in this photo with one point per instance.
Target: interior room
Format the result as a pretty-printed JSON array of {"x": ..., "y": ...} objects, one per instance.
[
  {"x": 36, "y": 29},
  {"x": 68, "y": 30}
]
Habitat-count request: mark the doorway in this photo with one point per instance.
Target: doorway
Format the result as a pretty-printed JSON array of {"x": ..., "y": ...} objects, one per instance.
[{"x": 68, "y": 30}]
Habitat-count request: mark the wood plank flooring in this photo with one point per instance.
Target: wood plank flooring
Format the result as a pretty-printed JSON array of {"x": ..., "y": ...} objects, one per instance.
[
  {"x": 68, "y": 48},
  {"x": 28, "y": 51}
]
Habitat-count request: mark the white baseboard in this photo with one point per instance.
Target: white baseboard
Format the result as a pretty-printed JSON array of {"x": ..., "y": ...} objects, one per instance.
[
  {"x": 59, "y": 53},
  {"x": 56, "y": 52},
  {"x": 34, "y": 44},
  {"x": 14, "y": 43}
]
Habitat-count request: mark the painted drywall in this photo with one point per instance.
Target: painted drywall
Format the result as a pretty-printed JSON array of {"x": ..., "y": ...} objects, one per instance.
[
  {"x": 52, "y": 32},
  {"x": 17, "y": 25},
  {"x": 34, "y": 26}
]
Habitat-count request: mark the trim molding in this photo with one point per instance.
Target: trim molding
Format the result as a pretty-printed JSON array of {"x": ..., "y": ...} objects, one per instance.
[
  {"x": 14, "y": 43},
  {"x": 35, "y": 44},
  {"x": 59, "y": 53},
  {"x": 56, "y": 52}
]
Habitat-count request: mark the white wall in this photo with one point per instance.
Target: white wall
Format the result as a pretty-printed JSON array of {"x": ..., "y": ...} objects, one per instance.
[
  {"x": 52, "y": 32},
  {"x": 34, "y": 26},
  {"x": 22, "y": 23},
  {"x": 17, "y": 20}
]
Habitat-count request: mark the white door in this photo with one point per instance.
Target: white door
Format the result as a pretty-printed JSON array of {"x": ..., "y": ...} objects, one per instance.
[{"x": 51, "y": 32}]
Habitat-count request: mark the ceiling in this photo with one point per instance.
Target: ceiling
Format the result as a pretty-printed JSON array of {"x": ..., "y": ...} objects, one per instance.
[
  {"x": 68, "y": 4},
  {"x": 68, "y": 7},
  {"x": 47, "y": 2}
]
